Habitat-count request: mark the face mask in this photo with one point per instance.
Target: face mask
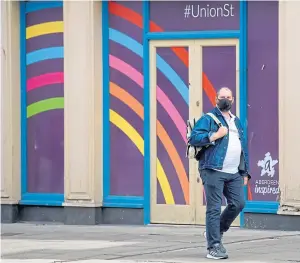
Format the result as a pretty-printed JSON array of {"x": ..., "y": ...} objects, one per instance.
[{"x": 224, "y": 104}]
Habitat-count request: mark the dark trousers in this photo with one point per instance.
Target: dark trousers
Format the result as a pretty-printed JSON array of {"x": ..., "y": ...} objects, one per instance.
[{"x": 215, "y": 184}]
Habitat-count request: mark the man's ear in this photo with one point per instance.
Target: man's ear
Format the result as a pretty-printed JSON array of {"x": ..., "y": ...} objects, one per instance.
[{"x": 232, "y": 99}]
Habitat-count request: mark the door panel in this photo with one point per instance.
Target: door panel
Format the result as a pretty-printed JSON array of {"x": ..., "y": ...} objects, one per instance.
[
  {"x": 172, "y": 196},
  {"x": 171, "y": 95},
  {"x": 219, "y": 68}
]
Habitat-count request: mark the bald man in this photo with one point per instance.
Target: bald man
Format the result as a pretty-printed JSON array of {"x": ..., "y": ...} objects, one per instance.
[{"x": 223, "y": 167}]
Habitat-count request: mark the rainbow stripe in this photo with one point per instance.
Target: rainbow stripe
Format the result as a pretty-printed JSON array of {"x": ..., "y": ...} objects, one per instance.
[
  {"x": 40, "y": 55},
  {"x": 162, "y": 98},
  {"x": 136, "y": 19},
  {"x": 44, "y": 29}
]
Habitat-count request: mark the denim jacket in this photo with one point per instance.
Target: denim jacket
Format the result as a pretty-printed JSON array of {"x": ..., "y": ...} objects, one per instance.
[{"x": 212, "y": 157}]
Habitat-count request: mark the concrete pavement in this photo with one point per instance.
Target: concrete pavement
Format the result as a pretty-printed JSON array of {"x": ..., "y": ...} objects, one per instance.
[{"x": 30, "y": 243}]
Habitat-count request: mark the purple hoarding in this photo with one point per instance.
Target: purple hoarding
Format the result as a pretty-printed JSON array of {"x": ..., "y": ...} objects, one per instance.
[
  {"x": 219, "y": 66},
  {"x": 44, "y": 99},
  {"x": 263, "y": 99}
]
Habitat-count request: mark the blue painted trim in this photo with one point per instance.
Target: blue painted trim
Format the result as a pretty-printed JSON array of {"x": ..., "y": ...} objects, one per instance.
[
  {"x": 37, "y": 6},
  {"x": 243, "y": 78},
  {"x": 108, "y": 200},
  {"x": 42, "y": 199},
  {"x": 44, "y": 54},
  {"x": 124, "y": 201},
  {"x": 23, "y": 98},
  {"x": 122, "y": 205},
  {"x": 261, "y": 207},
  {"x": 30, "y": 198},
  {"x": 146, "y": 69},
  {"x": 106, "y": 124},
  {"x": 193, "y": 35}
]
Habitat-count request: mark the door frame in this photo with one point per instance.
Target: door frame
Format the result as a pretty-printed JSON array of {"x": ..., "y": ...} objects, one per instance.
[
  {"x": 194, "y": 213},
  {"x": 240, "y": 33}
]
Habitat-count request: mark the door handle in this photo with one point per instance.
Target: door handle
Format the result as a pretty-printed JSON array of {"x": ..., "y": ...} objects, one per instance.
[
  {"x": 198, "y": 179},
  {"x": 197, "y": 103}
]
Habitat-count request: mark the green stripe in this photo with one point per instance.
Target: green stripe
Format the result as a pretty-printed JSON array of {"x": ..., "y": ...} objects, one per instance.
[{"x": 45, "y": 105}]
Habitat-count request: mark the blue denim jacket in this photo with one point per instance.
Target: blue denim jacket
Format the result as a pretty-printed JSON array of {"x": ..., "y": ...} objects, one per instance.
[{"x": 213, "y": 156}]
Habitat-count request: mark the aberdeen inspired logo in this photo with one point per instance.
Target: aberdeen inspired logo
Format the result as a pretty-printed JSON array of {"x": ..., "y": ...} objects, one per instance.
[{"x": 267, "y": 165}]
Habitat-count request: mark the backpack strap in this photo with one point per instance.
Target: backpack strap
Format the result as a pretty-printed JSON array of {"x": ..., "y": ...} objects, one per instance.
[{"x": 215, "y": 119}]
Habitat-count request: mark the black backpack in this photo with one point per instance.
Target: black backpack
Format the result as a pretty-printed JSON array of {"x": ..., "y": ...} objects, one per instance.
[{"x": 192, "y": 152}]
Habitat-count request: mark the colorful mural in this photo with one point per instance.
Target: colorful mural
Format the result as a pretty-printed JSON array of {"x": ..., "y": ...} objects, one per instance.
[
  {"x": 44, "y": 97},
  {"x": 177, "y": 86},
  {"x": 126, "y": 99},
  {"x": 126, "y": 49},
  {"x": 263, "y": 99}
]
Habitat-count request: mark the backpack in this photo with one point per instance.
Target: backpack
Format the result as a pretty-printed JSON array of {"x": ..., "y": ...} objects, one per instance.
[{"x": 193, "y": 152}]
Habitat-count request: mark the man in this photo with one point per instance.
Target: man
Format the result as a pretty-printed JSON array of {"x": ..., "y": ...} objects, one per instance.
[{"x": 223, "y": 167}]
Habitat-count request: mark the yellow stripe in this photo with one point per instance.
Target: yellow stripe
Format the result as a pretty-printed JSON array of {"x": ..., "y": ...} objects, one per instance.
[
  {"x": 44, "y": 29},
  {"x": 134, "y": 136},
  {"x": 164, "y": 184}
]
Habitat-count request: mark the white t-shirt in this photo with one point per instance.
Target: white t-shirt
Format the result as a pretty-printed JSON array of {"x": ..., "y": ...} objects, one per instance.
[{"x": 234, "y": 150}]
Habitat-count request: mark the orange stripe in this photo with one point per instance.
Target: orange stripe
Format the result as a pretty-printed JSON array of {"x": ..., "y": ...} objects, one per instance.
[
  {"x": 209, "y": 89},
  {"x": 155, "y": 28},
  {"x": 249, "y": 192},
  {"x": 181, "y": 53},
  {"x": 131, "y": 102}
]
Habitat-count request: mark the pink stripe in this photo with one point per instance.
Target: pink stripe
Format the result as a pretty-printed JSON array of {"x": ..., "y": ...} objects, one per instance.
[
  {"x": 162, "y": 98},
  {"x": 45, "y": 79},
  {"x": 172, "y": 111}
]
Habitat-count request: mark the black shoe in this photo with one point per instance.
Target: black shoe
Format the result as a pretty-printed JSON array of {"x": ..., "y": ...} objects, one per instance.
[{"x": 216, "y": 253}]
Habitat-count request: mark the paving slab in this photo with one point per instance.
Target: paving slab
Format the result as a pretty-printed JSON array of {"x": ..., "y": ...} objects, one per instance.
[{"x": 38, "y": 243}]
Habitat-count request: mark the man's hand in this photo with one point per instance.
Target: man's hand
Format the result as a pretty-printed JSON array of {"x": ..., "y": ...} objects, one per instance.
[
  {"x": 219, "y": 134},
  {"x": 246, "y": 180},
  {"x": 222, "y": 132}
]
